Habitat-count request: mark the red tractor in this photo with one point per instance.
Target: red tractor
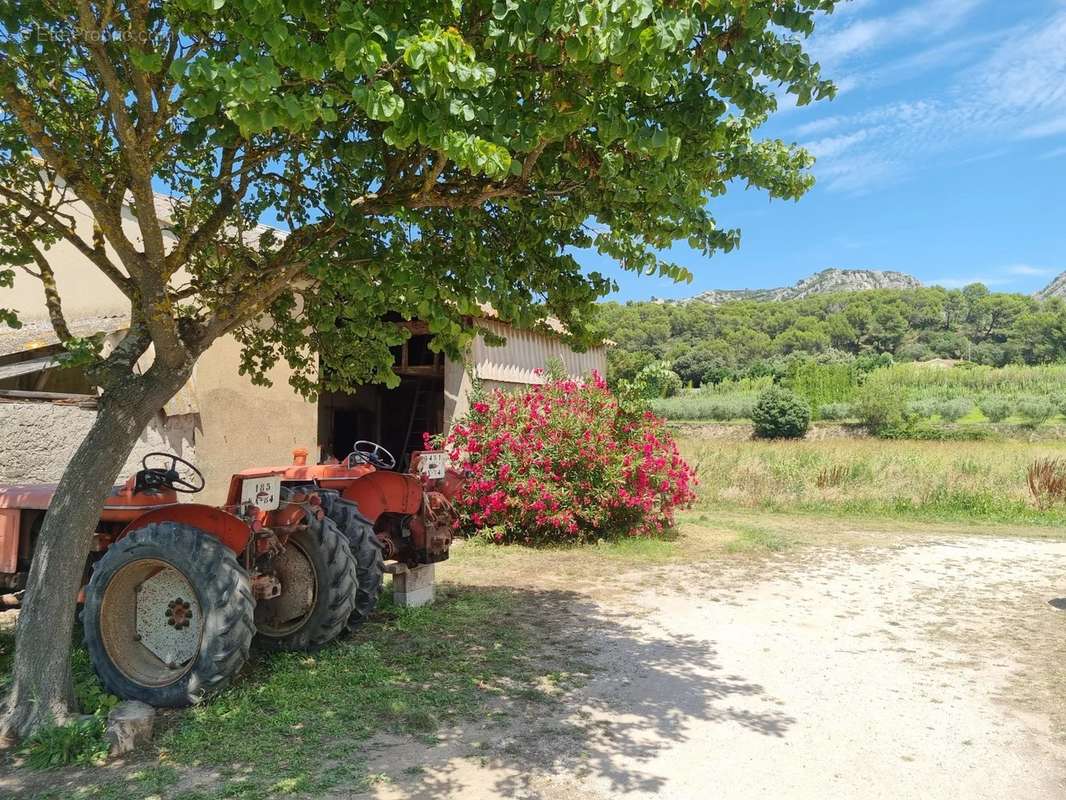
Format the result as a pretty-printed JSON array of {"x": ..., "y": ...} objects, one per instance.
[{"x": 175, "y": 592}]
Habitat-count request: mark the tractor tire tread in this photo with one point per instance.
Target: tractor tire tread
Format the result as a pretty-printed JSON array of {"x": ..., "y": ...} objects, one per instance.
[
  {"x": 367, "y": 549},
  {"x": 225, "y": 596}
]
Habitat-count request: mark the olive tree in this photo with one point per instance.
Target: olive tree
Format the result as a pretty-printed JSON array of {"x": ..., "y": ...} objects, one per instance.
[{"x": 418, "y": 159}]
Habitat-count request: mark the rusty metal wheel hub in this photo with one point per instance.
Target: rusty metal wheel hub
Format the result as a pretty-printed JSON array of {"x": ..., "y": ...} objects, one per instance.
[
  {"x": 169, "y": 620},
  {"x": 289, "y": 610},
  {"x": 151, "y": 622}
]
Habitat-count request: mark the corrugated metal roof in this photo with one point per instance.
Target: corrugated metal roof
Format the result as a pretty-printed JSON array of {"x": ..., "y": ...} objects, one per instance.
[{"x": 526, "y": 352}]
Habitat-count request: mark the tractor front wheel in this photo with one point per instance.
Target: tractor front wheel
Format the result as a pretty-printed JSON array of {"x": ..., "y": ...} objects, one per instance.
[
  {"x": 318, "y": 587},
  {"x": 168, "y": 615}
]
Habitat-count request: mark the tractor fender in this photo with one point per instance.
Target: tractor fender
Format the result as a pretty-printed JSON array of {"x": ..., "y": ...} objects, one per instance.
[
  {"x": 381, "y": 491},
  {"x": 232, "y": 531}
]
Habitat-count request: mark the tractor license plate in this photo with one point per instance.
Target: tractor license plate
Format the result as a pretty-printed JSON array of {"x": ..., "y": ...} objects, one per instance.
[
  {"x": 432, "y": 465},
  {"x": 263, "y": 493}
]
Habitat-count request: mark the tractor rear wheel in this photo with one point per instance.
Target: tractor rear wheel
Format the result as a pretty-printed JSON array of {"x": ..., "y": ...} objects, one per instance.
[
  {"x": 367, "y": 549},
  {"x": 318, "y": 587},
  {"x": 168, "y": 615}
]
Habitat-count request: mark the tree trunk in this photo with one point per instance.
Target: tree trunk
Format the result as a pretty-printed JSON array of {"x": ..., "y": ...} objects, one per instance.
[{"x": 42, "y": 693}]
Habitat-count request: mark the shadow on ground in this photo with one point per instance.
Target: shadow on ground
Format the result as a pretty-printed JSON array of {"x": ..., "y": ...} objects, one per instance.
[{"x": 629, "y": 692}]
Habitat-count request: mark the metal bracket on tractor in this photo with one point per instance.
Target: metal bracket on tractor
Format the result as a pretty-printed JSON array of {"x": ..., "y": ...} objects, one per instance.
[{"x": 296, "y": 555}]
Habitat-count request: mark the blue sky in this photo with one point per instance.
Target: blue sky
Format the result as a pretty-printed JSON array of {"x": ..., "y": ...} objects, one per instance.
[{"x": 943, "y": 155}]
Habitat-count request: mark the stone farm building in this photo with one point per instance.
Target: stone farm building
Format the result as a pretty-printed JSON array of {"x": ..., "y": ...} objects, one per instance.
[{"x": 220, "y": 420}]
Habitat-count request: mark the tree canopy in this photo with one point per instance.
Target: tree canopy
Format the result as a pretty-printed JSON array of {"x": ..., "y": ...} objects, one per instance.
[{"x": 422, "y": 158}]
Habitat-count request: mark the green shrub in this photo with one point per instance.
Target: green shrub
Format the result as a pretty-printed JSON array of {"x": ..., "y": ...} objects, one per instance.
[
  {"x": 996, "y": 409},
  {"x": 695, "y": 405},
  {"x": 822, "y": 384},
  {"x": 954, "y": 410},
  {"x": 1058, "y": 400},
  {"x": 658, "y": 380},
  {"x": 878, "y": 408},
  {"x": 81, "y": 742},
  {"x": 526, "y": 485},
  {"x": 781, "y": 414},
  {"x": 1036, "y": 410},
  {"x": 921, "y": 409},
  {"x": 835, "y": 412}
]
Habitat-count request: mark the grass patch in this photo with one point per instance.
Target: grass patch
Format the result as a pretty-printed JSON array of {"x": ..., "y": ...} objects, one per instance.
[
  {"x": 292, "y": 723},
  {"x": 409, "y": 673},
  {"x": 78, "y": 743},
  {"x": 750, "y": 538},
  {"x": 638, "y": 549}
]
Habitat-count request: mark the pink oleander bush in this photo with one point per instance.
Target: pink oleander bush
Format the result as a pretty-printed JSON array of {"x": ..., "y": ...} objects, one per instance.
[{"x": 566, "y": 462}]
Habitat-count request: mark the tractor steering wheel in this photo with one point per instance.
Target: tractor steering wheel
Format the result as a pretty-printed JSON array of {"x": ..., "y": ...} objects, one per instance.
[
  {"x": 364, "y": 452},
  {"x": 169, "y": 477}
]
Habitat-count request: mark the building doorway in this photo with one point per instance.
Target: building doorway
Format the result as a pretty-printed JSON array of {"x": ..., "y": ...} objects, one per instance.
[{"x": 395, "y": 418}]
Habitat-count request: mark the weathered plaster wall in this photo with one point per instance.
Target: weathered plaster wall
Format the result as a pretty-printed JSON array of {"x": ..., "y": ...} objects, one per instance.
[
  {"x": 243, "y": 425},
  {"x": 456, "y": 391},
  {"x": 238, "y": 425},
  {"x": 37, "y": 440},
  {"x": 457, "y": 387}
]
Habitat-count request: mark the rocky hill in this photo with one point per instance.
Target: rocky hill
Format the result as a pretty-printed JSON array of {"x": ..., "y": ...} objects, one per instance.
[
  {"x": 1057, "y": 288},
  {"x": 824, "y": 282}
]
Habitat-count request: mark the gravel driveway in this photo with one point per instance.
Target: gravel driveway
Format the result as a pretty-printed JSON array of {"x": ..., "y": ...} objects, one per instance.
[{"x": 931, "y": 669}]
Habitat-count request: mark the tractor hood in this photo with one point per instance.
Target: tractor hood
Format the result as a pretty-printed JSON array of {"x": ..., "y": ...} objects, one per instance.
[
  {"x": 27, "y": 495},
  {"x": 39, "y": 496}
]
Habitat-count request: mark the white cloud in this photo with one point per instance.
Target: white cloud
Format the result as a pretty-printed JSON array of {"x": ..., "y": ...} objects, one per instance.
[
  {"x": 895, "y": 114},
  {"x": 1016, "y": 92},
  {"x": 928, "y": 18},
  {"x": 1050, "y": 127},
  {"x": 1029, "y": 269},
  {"x": 858, "y": 173},
  {"x": 956, "y": 51},
  {"x": 1001, "y": 276},
  {"x": 835, "y": 145},
  {"x": 987, "y": 156},
  {"x": 1058, "y": 152}
]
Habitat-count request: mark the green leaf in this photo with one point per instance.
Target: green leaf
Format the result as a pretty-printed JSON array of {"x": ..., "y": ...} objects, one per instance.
[
  {"x": 381, "y": 102},
  {"x": 147, "y": 61}
]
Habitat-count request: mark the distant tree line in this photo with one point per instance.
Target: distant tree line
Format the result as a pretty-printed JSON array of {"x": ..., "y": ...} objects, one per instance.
[{"x": 707, "y": 343}]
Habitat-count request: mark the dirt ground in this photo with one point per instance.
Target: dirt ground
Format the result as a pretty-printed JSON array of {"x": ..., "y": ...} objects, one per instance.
[
  {"x": 779, "y": 657},
  {"x": 899, "y": 666}
]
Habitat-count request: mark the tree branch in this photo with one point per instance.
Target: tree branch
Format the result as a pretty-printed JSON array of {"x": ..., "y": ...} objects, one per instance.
[
  {"x": 274, "y": 279},
  {"x": 133, "y": 149},
  {"x": 96, "y": 254},
  {"x": 51, "y": 292},
  {"x": 108, "y": 217}
]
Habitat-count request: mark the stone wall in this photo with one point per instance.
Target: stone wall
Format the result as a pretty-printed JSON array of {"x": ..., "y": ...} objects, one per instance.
[{"x": 37, "y": 440}]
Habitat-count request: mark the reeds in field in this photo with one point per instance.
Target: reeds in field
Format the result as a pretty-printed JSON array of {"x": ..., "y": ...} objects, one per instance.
[
  {"x": 832, "y": 475},
  {"x": 1047, "y": 481}
]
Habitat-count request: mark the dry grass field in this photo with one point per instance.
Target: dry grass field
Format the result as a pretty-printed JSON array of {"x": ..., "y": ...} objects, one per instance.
[{"x": 979, "y": 482}]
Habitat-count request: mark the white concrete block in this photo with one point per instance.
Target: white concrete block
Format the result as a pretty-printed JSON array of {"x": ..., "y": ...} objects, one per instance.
[{"x": 414, "y": 587}]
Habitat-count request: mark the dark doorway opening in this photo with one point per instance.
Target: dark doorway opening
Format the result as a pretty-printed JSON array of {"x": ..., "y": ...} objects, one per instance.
[{"x": 394, "y": 418}]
